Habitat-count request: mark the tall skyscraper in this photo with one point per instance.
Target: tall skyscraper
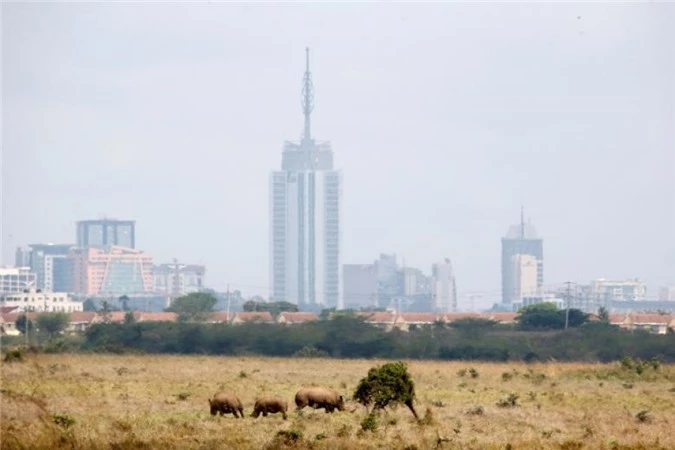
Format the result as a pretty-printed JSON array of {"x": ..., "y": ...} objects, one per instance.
[
  {"x": 443, "y": 289},
  {"x": 305, "y": 201},
  {"x": 98, "y": 233},
  {"x": 521, "y": 239}
]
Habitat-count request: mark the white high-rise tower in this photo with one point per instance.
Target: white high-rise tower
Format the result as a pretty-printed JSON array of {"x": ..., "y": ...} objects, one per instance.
[{"x": 305, "y": 201}]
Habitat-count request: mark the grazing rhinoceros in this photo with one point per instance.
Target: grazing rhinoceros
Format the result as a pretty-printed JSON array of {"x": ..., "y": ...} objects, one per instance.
[
  {"x": 318, "y": 397},
  {"x": 270, "y": 405},
  {"x": 225, "y": 403}
]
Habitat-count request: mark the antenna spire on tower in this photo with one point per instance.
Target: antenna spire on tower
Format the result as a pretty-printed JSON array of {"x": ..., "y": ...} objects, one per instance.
[
  {"x": 522, "y": 221},
  {"x": 307, "y": 98}
]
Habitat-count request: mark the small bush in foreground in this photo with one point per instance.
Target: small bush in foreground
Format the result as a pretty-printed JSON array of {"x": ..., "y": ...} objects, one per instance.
[
  {"x": 509, "y": 402},
  {"x": 387, "y": 385}
]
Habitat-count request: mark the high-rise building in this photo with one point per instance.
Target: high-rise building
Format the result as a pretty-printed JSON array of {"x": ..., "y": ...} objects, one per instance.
[
  {"x": 359, "y": 285},
  {"x": 50, "y": 264},
  {"x": 98, "y": 233},
  {"x": 388, "y": 287},
  {"x": 443, "y": 289},
  {"x": 524, "y": 271},
  {"x": 111, "y": 270},
  {"x": 305, "y": 202},
  {"x": 521, "y": 239},
  {"x": 667, "y": 293},
  {"x": 411, "y": 281}
]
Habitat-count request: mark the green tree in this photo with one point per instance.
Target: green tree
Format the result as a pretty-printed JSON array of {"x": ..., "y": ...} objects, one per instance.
[
  {"x": 53, "y": 323},
  {"x": 576, "y": 317},
  {"x": 124, "y": 301},
  {"x": 105, "y": 307},
  {"x": 603, "y": 314},
  {"x": 90, "y": 305},
  {"x": 387, "y": 385},
  {"x": 473, "y": 327},
  {"x": 547, "y": 316},
  {"x": 196, "y": 306},
  {"x": 23, "y": 323},
  {"x": 250, "y": 306},
  {"x": 540, "y": 316},
  {"x": 326, "y": 313},
  {"x": 274, "y": 308},
  {"x": 129, "y": 318}
]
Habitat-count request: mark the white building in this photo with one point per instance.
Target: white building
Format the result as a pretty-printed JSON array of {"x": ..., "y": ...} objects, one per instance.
[
  {"x": 524, "y": 271},
  {"x": 603, "y": 290},
  {"x": 540, "y": 298},
  {"x": 443, "y": 289},
  {"x": 178, "y": 279},
  {"x": 16, "y": 279},
  {"x": 32, "y": 300},
  {"x": 305, "y": 202},
  {"x": 412, "y": 281},
  {"x": 667, "y": 293}
]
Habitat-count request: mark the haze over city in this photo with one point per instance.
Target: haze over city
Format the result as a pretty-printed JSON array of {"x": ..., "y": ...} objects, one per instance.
[{"x": 444, "y": 119}]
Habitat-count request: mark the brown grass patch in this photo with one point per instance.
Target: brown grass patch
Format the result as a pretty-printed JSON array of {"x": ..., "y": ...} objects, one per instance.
[{"x": 161, "y": 402}]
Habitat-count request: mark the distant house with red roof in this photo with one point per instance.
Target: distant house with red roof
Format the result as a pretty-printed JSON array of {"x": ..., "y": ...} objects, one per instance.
[
  {"x": 292, "y": 318},
  {"x": 253, "y": 317},
  {"x": 219, "y": 317}
]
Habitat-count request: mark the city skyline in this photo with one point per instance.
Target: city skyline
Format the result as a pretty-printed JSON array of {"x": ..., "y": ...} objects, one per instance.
[{"x": 565, "y": 108}]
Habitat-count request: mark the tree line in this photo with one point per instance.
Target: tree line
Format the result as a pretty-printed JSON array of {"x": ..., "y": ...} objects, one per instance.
[
  {"x": 539, "y": 334},
  {"x": 348, "y": 336}
]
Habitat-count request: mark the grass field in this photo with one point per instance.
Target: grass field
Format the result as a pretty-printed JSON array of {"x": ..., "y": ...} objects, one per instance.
[{"x": 112, "y": 401}]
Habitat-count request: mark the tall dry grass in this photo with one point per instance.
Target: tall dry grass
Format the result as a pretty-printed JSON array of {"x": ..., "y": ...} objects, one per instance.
[{"x": 108, "y": 401}]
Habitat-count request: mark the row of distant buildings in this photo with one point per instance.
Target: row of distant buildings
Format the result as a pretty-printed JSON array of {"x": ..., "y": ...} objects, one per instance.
[
  {"x": 385, "y": 284},
  {"x": 103, "y": 262},
  {"x": 523, "y": 281}
]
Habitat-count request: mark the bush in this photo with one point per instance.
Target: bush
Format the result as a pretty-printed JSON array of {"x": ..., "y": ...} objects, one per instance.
[
  {"x": 475, "y": 411},
  {"x": 63, "y": 420},
  {"x": 387, "y": 385},
  {"x": 309, "y": 351},
  {"x": 643, "y": 416},
  {"x": 508, "y": 402},
  {"x": 15, "y": 355},
  {"x": 369, "y": 423}
]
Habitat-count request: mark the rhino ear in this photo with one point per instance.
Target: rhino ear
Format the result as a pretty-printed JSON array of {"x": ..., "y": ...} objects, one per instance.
[
  {"x": 342, "y": 398},
  {"x": 210, "y": 402}
]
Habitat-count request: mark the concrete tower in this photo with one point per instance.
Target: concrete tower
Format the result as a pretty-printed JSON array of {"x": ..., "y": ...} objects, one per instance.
[{"x": 305, "y": 203}]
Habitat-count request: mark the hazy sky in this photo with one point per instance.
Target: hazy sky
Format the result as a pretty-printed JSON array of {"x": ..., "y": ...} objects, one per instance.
[{"x": 444, "y": 118}]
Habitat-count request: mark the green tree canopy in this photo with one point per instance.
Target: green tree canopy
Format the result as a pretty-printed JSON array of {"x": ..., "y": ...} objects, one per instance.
[
  {"x": 196, "y": 306},
  {"x": 90, "y": 305},
  {"x": 273, "y": 307},
  {"x": 547, "y": 316},
  {"x": 124, "y": 301},
  {"x": 471, "y": 323},
  {"x": 23, "y": 323},
  {"x": 52, "y": 323},
  {"x": 387, "y": 385}
]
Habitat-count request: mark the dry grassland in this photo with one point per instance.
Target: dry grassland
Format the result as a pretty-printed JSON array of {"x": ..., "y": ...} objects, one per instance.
[{"x": 109, "y": 401}]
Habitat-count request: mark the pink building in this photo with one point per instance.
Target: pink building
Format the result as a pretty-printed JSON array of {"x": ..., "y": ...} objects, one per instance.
[{"x": 111, "y": 270}]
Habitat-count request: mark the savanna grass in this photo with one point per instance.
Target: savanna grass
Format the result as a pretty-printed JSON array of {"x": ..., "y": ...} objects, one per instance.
[{"x": 117, "y": 401}]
